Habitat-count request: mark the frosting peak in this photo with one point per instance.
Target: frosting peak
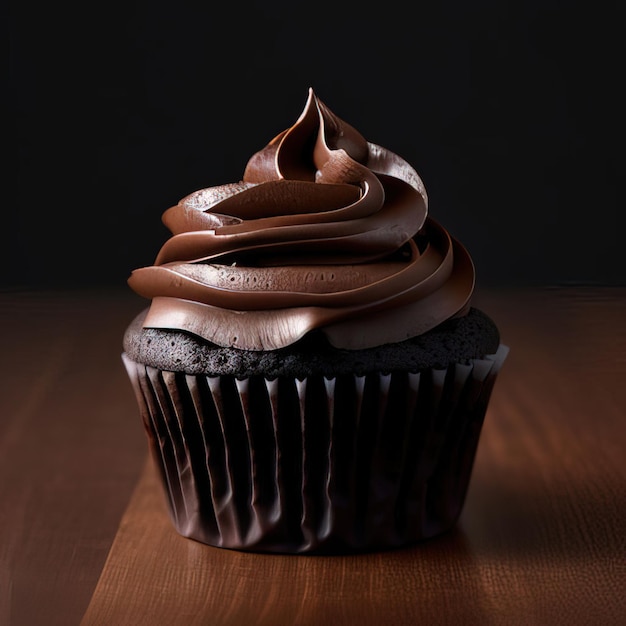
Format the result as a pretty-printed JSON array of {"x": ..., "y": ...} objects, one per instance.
[{"x": 325, "y": 230}]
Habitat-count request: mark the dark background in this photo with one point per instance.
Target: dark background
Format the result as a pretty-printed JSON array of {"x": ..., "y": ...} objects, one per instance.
[{"x": 509, "y": 111}]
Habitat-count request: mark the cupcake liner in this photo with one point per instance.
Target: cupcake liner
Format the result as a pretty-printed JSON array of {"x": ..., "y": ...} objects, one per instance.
[{"x": 319, "y": 465}]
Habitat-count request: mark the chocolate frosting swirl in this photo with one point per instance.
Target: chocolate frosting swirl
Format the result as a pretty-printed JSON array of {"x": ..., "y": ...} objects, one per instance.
[{"x": 325, "y": 230}]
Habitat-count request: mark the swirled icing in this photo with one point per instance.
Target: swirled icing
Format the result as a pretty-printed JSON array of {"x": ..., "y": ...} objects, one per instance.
[{"x": 326, "y": 230}]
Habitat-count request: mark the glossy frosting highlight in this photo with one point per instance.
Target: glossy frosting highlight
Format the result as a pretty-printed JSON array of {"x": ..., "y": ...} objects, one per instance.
[{"x": 325, "y": 230}]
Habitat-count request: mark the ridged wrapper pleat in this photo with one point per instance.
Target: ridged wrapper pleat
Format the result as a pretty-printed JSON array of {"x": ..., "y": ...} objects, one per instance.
[{"x": 318, "y": 465}]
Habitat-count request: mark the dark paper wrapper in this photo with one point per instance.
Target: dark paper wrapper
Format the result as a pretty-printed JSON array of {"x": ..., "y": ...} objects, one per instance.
[{"x": 315, "y": 466}]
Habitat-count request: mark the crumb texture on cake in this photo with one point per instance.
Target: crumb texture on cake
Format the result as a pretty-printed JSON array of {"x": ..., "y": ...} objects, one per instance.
[{"x": 455, "y": 341}]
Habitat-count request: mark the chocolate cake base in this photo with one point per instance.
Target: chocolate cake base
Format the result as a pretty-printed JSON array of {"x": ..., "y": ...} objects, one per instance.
[
  {"x": 455, "y": 341},
  {"x": 298, "y": 460}
]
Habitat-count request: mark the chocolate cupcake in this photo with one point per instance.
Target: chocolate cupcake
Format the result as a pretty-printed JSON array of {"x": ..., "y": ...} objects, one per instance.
[{"x": 311, "y": 373}]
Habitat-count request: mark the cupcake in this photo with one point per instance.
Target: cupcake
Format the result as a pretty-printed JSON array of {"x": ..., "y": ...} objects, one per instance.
[{"x": 310, "y": 371}]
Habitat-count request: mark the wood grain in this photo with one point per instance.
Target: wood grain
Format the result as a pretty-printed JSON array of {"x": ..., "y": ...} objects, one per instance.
[
  {"x": 70, "y": 449},
  {"x": 541, "y": 541}
]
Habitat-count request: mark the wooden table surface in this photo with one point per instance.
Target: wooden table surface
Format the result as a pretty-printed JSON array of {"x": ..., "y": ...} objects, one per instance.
[{"x": 85, "y": 538}]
